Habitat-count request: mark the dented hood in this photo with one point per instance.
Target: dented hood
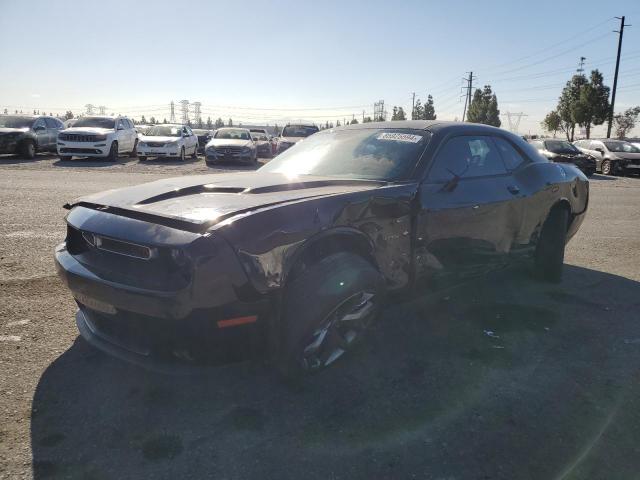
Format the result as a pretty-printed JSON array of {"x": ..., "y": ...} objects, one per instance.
[{"x": 208, "y": 199}]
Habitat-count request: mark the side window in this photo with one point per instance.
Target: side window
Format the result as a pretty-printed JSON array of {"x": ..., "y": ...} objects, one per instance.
[
  {"x": 39, "y": 123},
  {"x": 512, "y": 159},
  {"x": 595, "y": 145},
  {"x": 120, "y": 123},
  {"x": 467, "y": 157},
  {"x": 50, "y": 123},
  {"x": 537, "y": 145}
]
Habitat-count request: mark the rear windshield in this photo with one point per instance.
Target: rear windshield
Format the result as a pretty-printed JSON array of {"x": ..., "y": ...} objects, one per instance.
[
  {"x": 375, "y": 154},
  {"x": 233, "y": 134},
  {"x": 164, "y": 131},
  {"x": 621, "y": 147},
  {"x": 298, "y": 131}
]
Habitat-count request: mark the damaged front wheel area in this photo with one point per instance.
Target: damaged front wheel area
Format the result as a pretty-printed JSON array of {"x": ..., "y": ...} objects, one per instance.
[{"x": 326, "y": 311}]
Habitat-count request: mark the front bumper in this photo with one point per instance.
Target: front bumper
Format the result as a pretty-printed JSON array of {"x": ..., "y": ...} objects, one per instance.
[
  {"x": 83, "y": 149},
  {"x": 8, "y": 145},
  {"x": 146, "y": 151},
  {"x": 212, "y": 157}
]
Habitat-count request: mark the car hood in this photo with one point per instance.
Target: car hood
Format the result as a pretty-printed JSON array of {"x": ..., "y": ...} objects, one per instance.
[
  {"x": 228, "y": 142},
  {"x": 88, "y": 130},
  {"x": 4, "y": 130},
  {"x": 291, "y": 139},
  {"x": 627, "y": 156},
  {"x": 153, "y": 138},
  {"x": 205, "y": 200}
]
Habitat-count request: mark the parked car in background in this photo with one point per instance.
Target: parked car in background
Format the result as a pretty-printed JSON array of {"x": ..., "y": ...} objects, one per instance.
[
  {"x": 634, "y": 141},
  {"x": 69, "y": 123},
  {"x": 294, "y": 260},
  {"x": 293, "y": 133},
  {"x": 263, "y": 144},
  {"x": 613, "y": 157},
  {"x": 142, "y": 129},
  {"x": 565, "y": 152},
  {"x": 98, "y": 136},
  {"x": 26, "y": 135},
  {"x": 231, "y": 144},
  {"x": 168, "y": 140},
  {"x": 203, "y": 138}
]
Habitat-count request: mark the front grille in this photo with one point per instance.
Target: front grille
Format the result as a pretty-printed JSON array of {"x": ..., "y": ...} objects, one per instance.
[
  {"x": 72, "y": 137},
  {"x": 228, "y": 150},
  {"x": 155, "y": 144}
]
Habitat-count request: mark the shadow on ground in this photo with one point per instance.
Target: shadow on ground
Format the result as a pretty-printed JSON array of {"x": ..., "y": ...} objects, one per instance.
[{"x": 503, "y": 378}]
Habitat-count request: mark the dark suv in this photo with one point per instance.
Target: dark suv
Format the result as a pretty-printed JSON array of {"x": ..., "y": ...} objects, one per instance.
[
  {"x": 28, "y": 134},
  {"x": 565, "y": 152}
]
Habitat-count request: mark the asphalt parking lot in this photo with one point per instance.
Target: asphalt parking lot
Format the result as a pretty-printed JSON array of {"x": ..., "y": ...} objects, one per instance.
[{"x": 503, "y": 378}]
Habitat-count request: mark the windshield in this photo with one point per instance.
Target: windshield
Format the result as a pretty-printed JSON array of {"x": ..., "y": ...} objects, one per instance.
[
  {"x": 376, "y": 154},
  {"x": 97, "y": 122},
  {"x": 164, "y": 131},
  {"x": 298, "y": 131},
  {"x": 259, "y": 137},
  {"x": 201, "y": 132},
  {"x": 621, "y": 147},
  {"x": 16, "y": 122},
  {"x": 233, "y": 134},
  {"x": 560, "y": 146}
]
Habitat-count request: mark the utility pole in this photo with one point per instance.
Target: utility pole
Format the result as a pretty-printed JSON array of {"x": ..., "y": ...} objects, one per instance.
[
  {"x": 615, "y": 76},
  {"x": 467, "y": 100},
  {"x": 581, "y": 67},
  {"x": 89, "y": 108},
  {"x": 413, "y": 104},
  {"x": 172, "y": 117},
  {"x": 362, "y": 116}
]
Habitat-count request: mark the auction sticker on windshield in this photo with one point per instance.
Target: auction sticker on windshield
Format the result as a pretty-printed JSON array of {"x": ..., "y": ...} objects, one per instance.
[{"x": 400, "y": 137}]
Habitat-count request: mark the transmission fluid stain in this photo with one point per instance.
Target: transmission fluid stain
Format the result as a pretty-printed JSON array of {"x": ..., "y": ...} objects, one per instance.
[
  {"x": 505, "y": 317},
  {"x": 162, "y": 447}
]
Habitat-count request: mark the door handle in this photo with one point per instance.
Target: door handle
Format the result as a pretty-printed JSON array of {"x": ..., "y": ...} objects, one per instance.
[{"x": 513, "y": 189}]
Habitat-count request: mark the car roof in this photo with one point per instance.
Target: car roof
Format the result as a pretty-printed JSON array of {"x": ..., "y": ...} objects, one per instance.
[{"x": 431, "y": 125}]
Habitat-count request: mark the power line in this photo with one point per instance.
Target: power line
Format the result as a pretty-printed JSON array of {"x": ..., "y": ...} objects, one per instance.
[{"x": 615, "y": 75}]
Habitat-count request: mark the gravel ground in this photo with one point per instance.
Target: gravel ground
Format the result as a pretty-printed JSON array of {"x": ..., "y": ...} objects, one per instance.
[{"x": 503, "y": 378}]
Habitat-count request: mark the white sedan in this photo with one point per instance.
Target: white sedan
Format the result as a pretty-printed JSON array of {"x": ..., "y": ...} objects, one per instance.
[{"x": 168, "y": 140}]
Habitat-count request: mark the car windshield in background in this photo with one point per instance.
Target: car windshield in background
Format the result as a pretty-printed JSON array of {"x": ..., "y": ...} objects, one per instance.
[
  {"x": 16, "y": 122},
  {"x": 375, "y": 154},
  {"x": 233, "y": 134},
  {"x": 621, "y": 147},
  {"x": 164, "y": 131},
  {"x": 560, "y": 146},
  {"x": 96, "y": 122},
  {"x": 298, "y": 131},
  {"x": 259, "y": 137},
  {"x": 200, "y": 132}
]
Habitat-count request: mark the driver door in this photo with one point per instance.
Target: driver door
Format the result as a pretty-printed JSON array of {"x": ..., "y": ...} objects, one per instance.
[
  {"x": 42, "y": 134},
  {"x": 468, "y": 219}
]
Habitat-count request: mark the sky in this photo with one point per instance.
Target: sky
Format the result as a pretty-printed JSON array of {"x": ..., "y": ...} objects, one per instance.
[{"x": 278, "y": 61}]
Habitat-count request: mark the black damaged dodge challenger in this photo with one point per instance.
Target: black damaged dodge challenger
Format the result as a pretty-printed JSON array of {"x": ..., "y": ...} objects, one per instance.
[{"x": 293, "y": 261}]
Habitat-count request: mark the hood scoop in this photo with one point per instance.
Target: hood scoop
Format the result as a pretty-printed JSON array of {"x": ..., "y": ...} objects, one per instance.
[{"x": 185, "y": 192}]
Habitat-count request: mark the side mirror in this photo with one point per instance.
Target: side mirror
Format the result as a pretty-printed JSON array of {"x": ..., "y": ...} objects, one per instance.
[{"x": 600, "y": 150}]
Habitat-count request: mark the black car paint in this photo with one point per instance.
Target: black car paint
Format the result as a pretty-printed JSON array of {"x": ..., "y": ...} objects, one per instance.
[
  {"x": 12, "y": 140},
  {"x": 263, "y": 225}
]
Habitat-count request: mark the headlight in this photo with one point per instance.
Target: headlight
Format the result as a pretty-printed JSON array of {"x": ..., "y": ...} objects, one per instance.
[
  {"x": 101, "y": 138},
  {"x": 246, "y": 149}
]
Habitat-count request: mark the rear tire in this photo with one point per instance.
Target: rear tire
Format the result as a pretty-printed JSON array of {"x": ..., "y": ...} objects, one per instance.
[
  {"x": 28, "y": 149},
  {"x": 113, "y": 152},
  {"x": 549, "y": 256},
  {"x": 195, "y": 152},
  {"x": 65, "y": 158},
  {"x": 605, "y": 167},
  {"x": 325, "y": 311},
  {"x": 142, "y": 159}
]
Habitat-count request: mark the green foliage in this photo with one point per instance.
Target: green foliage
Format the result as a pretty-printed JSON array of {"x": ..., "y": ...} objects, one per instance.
[
  {"x": 209, "y": 123},
  {"x": 367, "y": 120},
  {"x": 592, "y": 105},
  {"x": 552, "y": 122},
  {"x": 484, "y": 108},
  {"x": 152, "y": 121},
  {"x": 418, "y": 111},
  {"x": 429, "y": 109},
  {"x": 218, "y": 123},
  {"x": 354, "y": 121},
  {"x": 230, "y": 123},
  {"x": 625, "y": 122},
  {"x": 67, "y": 116},
  {"x": 143, "y": 120}
]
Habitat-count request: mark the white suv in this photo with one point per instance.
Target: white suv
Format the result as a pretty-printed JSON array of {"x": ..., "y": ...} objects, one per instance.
[{"x": 104, "y": 137}]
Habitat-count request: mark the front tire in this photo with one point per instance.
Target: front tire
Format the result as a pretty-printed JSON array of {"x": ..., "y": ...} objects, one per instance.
[
  {"x": 182, "y": 155},
  {"x": 134, "y": 152},
  {"x": 28, "y": 149},
  {"x": 195, "y": 152},
  {"x": 325, "y": 311},
  {"x": 549, "y": 256},
  {"x": 605, "y": 167},
  {"x": 65, "y": 158},
  {"x": 142, "y": 159},
  {"x": 113, "y": 152}
]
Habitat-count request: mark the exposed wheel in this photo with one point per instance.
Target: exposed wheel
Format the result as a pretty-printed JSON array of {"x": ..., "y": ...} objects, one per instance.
[
  {"x": 65, "y": 158},
  {"x": 142, "y": 159},
  {"x": 134, "y": 152},
  {"x": 549, "y": 255},
  {"x": 605, "y": 167},
  {"x": 113, "y": 152},
  {"x": 182, "y": 155},
  {"x": 326, "y": 309},
  {"x": 28, "y": 149}
]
